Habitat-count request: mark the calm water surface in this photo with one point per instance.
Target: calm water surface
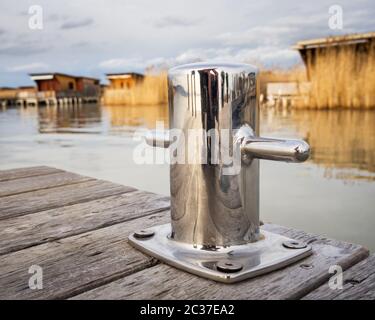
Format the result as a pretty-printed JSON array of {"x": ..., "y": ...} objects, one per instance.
[{"x": 332, "y": 194}]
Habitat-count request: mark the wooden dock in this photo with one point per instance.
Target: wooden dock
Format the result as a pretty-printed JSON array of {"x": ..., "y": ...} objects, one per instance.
[{"x": 76, "y": 229}]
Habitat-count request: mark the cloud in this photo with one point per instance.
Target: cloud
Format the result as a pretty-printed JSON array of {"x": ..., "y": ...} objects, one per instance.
[
  {"x": 259, "y": 35},
  {"x": 262, "y": 56},
  {"x": 80, "y": 44},
  {"x": 281, "y": 32},
  {"x": 125, "y": 36},
  {"x": 265, "y": 55},
  {"x": 123, "y": 64},
  {"x": 359, "y": 20},
  {"x": 56, "y": 17},
  {"x": 24, "y": 48},
  {"x": 72, "y": 24},
  {"x": 136, "y": 64},
  {"x": 23, "y": 12},
  {"x": 174, "y": 21},
  {"x": 29, "y": 67}
]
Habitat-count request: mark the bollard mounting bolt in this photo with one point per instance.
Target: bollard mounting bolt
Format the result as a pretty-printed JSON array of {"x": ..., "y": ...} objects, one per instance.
[
  {"x": 228, "y": 266},
  {"x": 294, "y": 244},
  {"x": 143, "y": 234}
]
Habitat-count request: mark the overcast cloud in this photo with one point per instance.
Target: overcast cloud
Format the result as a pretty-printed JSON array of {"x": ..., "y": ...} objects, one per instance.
[{"x": 92, "y": 37}]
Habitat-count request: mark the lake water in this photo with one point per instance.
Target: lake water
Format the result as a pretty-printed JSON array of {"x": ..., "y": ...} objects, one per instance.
[{"x": 332, "y": 194}]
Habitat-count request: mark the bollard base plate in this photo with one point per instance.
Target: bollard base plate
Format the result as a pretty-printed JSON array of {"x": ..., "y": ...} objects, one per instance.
[{"x": 224, "y": 264}]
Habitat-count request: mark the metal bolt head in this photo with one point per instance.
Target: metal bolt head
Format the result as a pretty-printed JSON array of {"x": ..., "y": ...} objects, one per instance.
[
  {"x": 306, "y": 266},
  {"x": 143, "y": 234},
  {"x": 294, "y": 244},
  {"x": 228, "y": 266}
]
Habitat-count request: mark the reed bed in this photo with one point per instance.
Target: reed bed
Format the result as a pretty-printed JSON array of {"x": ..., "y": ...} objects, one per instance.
[
  {"x": 339, "y": 77},
  {"x": 342, "y": 77}
]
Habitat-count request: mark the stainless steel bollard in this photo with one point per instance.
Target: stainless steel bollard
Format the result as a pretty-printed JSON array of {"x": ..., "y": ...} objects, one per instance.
[{"x": 214, "y": 230}]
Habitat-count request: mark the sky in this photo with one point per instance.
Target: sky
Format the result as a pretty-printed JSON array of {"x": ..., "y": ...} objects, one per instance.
[{"x": 92, "y": 37}]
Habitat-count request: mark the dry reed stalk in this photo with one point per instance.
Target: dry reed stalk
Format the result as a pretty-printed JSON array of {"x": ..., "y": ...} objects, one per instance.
[{"x": 342, "y": 77}]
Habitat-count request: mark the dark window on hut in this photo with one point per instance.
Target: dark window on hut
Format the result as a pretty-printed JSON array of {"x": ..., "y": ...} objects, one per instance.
[{"x": 70, "y": 86}]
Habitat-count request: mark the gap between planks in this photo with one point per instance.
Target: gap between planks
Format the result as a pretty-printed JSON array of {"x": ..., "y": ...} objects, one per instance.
[
  {"x": 26, "y": 231},
  {"x": 358, "y": 283},
  {"x": 18, "y": 173},
  {"x": 34, "y": 183},
  {"x": 78, "y": 263},
  {"x": 100, "y": 264},
  {"x": 39, "y": 200},
  {"x": 292, "y": 282}
]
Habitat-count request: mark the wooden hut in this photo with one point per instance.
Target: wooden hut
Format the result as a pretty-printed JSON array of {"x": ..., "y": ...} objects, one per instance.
[
  {"x": 124, "y": 80},
  {"x": 130, "y": 88},
  {"x": 64, "y": 88},
  {"x": 341, "y": 70}
]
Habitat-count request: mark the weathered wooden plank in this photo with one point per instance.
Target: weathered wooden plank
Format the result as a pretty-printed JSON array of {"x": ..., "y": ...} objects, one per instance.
[
  {"x": 26, "y": 172},
  {"x": 292, "y": 282},
  {"x": 30, "y": 230},
  {"x": 359, "y": 283},
  {"x": 34, "y": 183},
  {"x": 99, "y": 264},
  {"x": 21, "y": 204},
  {"x": 76, "y": 264}
]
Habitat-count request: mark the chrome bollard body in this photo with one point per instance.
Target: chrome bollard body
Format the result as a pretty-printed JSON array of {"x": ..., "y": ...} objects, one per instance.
[
  {"x": 217, "y": 204},
  {"x": 214, "y": 203},
  {"x": 215, "y": 189}
]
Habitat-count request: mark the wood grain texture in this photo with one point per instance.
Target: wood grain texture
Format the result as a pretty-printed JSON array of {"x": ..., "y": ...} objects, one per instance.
[
  {"x": 292, "y": 282},
  {"x": 34, "y": 183},
  {"x": 77, "y": 232},
  {"x": 35, "y": 201},
  {"x": 26, "y": 172},
  {"x": 359, "y": 283},
  {"x": 30, "y": 230},
  {"x": 78, "y": 263}
]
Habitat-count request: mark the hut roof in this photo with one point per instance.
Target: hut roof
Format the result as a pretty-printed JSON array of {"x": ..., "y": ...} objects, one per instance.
[
  {"x": 335, "y": 41},
  {"x": 51, "y": 75},
  {"x": 124, "y": 75}
]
